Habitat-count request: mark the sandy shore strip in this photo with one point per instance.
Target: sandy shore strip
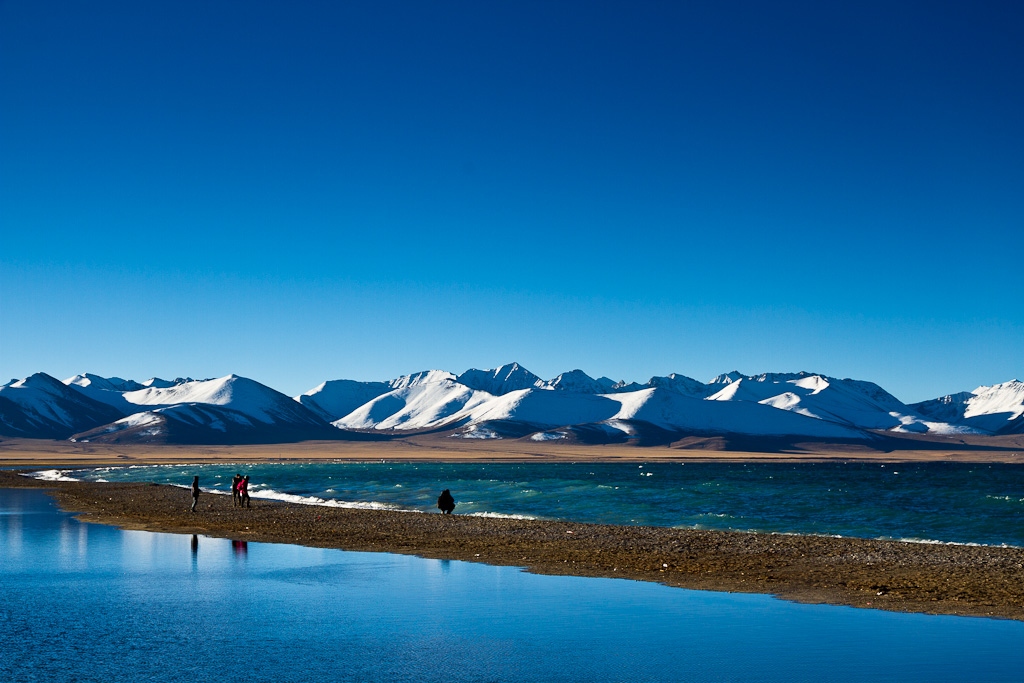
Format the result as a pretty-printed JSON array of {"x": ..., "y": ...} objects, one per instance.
[
  {"x": 43, "y": 453},
  {"x": 891, "y": 575}
]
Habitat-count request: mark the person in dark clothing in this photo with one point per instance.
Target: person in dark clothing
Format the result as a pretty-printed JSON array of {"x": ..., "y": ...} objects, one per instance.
[
  {"x": 195, "y": 492},
  {"x": 445, "y": 502},
  {"x": 235, "y": 480},
  {"x": 243, "y": 492}
]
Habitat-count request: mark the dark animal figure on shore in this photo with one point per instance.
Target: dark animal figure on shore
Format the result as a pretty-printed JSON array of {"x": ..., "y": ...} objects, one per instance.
[
  {"x": 195, "y": 492},
  {"x": 235, "y": 480},
  {"x": 445, "y": 502},
  {"x": 243, "y": 492}
]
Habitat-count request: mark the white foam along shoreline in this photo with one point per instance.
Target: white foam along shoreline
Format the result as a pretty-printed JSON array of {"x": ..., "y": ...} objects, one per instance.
[{"x": 271, "y": 494}]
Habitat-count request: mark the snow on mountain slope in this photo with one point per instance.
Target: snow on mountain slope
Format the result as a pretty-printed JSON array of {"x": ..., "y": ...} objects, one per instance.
[
  {"x": 727, "y": 378},
  {"x": 509, "y": 377},
  {"x": 416, "y": 405},
  {"x": 40, "y": 406},
  {"x": 996, "y": 409},
  {"x": 577, "y": 382},
  {"x": 513, "y": 377},
  {"x": 679, "y": 383},
  {"x": 844, "y": 401},
  {"x": 839, "y": 406},
  {"x": 109, "y": 390},
  {"x": 992, "y": 407},
  {"x": 105, "y": 383},
  {"x": 950, "y": 408},
  {"x": 507, "y": 402},
  {"x": 202, "y": 423},
  {"x": 425, "y": 377},
  {"x": 687, "y": 386},
  {"x": 240, "y": 394},
  {"x": 672, "y": 410},
  {"x": 624, "y": 386},
  {"x": 547, "y": 408},
  {"x": 157, "y": 383},
  {"x": 337, "y": 398}
]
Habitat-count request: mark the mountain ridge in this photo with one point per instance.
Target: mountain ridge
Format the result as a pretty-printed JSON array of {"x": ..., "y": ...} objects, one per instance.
[{"x": 505, "y": 402}]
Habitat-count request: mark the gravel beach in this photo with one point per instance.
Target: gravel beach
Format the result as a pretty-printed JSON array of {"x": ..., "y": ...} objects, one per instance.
[{"x": 891, "y": 575}]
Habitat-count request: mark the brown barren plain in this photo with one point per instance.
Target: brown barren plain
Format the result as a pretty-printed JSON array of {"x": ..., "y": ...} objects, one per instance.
[{"x": 32, "y": 452}]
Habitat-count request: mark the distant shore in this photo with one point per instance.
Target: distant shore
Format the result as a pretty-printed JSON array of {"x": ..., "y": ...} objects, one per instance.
[
  {"x": 890, "y": 575},
  {"x": 43, "y": 453}
]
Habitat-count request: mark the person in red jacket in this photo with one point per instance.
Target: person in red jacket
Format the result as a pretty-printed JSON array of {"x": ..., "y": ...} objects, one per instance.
[{"x": 243, "y": 492}]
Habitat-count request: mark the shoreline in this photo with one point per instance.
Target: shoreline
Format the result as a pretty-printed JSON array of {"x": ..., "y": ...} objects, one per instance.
[{"x": 904, "y": 576}]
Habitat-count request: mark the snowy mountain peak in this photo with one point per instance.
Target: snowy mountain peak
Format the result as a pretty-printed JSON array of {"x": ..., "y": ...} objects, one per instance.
[
  {"x": 577, "y": 382},
  {"x": 509, "y": 377},
  {"x": 39, "y": 380},
  {"x": 949, "y": 408},
  {"x": 42, "y": 406},
  {"x": 998, "y": 408},
  {"x": 844, "y": 401},
  {"x": 87, "y": 379},
  {"x": 1006, "y": 398},
  {"x": 728, "y": 378},
  {"x": 425, "y": 377},
  {"x": 336, "y": 398},
  {"x": 240, "y": 394},
  {"x": 681, "y": 384},
  {"x": 1012, "y": 387},
  {"x": 416, "y": 406}
]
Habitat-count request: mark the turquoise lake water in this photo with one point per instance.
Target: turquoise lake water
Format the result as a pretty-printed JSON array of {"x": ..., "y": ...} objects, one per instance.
[
  {"x": 946, "y": 502},
  {"x": 85, "y": 603}
]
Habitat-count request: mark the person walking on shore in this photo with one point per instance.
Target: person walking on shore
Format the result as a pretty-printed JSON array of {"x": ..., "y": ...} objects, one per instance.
[
  {"x": 195, "y": 492},
  {"x": 243, "y": 492},
  {"x": 445, "y": 502},
  {"x": 235, "y": 481}
]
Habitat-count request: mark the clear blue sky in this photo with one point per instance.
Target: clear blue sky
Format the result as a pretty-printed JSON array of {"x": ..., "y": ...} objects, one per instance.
[{"x": 305, "y": 191}]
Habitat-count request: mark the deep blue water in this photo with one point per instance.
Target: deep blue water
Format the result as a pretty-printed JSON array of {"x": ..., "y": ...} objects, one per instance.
[
  {"x": 87, "y": 603},
  {"x": 951, "y": 502}
]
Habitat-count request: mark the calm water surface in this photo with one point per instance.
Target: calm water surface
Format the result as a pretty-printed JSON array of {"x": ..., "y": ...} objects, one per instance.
[
  {"x": 949, "y": 502},
  {"x": 82, "y": 602}
]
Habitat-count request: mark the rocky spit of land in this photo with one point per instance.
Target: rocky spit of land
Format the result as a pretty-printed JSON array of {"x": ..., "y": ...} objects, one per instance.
[{"x": 891, "y": 575}]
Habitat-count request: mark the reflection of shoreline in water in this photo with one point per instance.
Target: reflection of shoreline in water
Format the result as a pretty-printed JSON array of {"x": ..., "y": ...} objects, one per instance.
[
  {"x": 240, "y": 548},
  {"x": 986, "y": 581},
  {"x": 371, "y": 616}
]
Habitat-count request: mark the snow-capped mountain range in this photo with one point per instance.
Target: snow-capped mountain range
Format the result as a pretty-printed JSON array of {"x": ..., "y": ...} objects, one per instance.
[{"x": 506, "y": 402}]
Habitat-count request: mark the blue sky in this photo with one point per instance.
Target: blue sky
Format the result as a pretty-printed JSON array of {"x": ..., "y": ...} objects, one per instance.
[{"x": 361, "y": 190}]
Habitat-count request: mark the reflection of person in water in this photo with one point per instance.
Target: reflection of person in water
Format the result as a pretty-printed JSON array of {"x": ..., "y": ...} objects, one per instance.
[
  {"x": 195, "y": 492},
  {"x": 445, "y": 502},
  {"x": 195, "y": 544},
  {"x": 241, "y": 548}
]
